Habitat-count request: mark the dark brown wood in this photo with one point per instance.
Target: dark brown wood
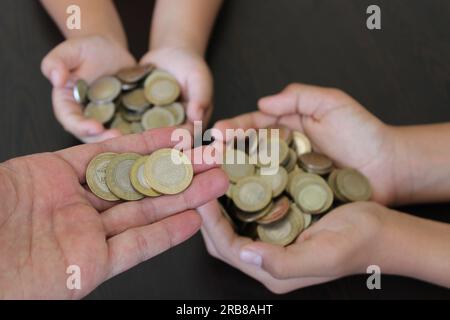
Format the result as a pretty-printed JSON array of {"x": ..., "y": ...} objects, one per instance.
[{"x": 401, "y": 73}]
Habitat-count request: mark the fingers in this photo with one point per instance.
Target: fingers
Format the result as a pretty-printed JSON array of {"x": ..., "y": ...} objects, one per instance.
[
  {"x": 199, "y": 96},
  {"x": 145, "y": 143},
  {"x": 303, "y": 99},
  {"x": 57, "y": 64},
  {"x": 70, "y": 114},
  {"x": 253, "y": 120},
  {"x": 137, "y": 245},
  {"x": 205, "y": 187}
]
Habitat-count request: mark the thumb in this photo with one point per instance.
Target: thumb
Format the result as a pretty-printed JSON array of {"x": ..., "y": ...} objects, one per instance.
[
  {"x": 303, "y": 99},
  {"x": 56, "y": 66}
]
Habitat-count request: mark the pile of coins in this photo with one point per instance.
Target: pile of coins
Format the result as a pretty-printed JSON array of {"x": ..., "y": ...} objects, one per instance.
[
  {"x": 134, "y": 100},
  {"x": 276, "y": 208},
  {"x": 132, "y": 177}
]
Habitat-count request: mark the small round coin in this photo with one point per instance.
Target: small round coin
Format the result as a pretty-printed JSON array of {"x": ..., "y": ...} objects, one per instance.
[
  {"x": 135, "y": 74},
  {"x": 135, "y": 101},
  {"x": 136, "y": 127},
  {"x": 278, "y": 212},
  {"x": 252, "y": 194},
  {"x": 315, "y": 163},
  {"x": 161, "y": 89},
  {"x": 284, "y": 133},
  {"x": 308, "y": 219},
  {"x": 157, "y": 117},
  {"x": 237, "y": 165},
  {"x": 138, "y": 179},
  {"x": 290, "y": 165},
  {"x": 249, "y": 217},
  {"x": 284, "y": 231},
  {"x": 80, "y": 91},
  {"x": 353, "y": 185},
  {"x": 102, "y": 113},
  {"x": 96, "y": 176},
  {"x": 168, "y": 171},
  {"x": 277, "y": 181},
  {"x": 118, "y": 177},
  {"x": 332, "y": 184},
  {"x": 313, "y": 196},
  {"x": 267, "y": 147},
  {"x": 301, "y": 143},
  {"x": 178, "y": 112},
  {"x": 105, "y": 90}
]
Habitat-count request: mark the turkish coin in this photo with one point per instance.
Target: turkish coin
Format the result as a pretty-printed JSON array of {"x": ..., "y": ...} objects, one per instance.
[
  {"x": 138, "y": 179},
  {"x": 252, "y": 194},
  {"x": 157, "y": 117},
  {"x": 118, "y": 177},
  {"x": 105, "y": 90},
  {"x": 96, "y": 176},
  {"x": 102, "y": 113}
]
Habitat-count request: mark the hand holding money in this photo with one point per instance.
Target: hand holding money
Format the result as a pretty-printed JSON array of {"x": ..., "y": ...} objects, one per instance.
[
  {"x": 86, "y": 58},
  {"x": 51, "y": 220}
]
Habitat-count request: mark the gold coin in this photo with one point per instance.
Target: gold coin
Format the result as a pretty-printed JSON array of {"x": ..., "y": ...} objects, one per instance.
[
  {"x": 161, "y": 89},
  {"x": 284, "y": 133},
  {"x": 138, "y": 179},
  {"x": 277, "y": 181},
  {"x": 135, "y": 74},
  {"x": 130, "y": 116},
  {"x": 252, "y": 194},
  {"x": 308, "y": 219},
  {"x": 315, "y": 163},
  {"x": 136, "y": 127},
  {"x": 157, "y": 117},
  {"x": 120, "y": 124},
  {"x": 118, "y": 177},
  {"x": 135, "y": 101},
  {"x": 278, "y": 211},
  {"x": 102, "y": 113},
  {"x": 265, "y": 153},
  {"x": 332, "y": 184},
  {"x": 168, "y": 171},
  {"x": 313, "y": 196},
  {"x": 249, "y": 217},
  {"x": 292, "y": 162},
  {"x": 128, "y": 86},
  {"x": 284, "y": 231},
  {"x": 104, "y": 90},
  {"x": 96, "y": 176},
  {"x": 237, "y": 165},
  {"x": 178, "y": 112},
  {"x": 80, "y": 91},
  {"x": 301, "y": 143},
  {"x": 353, "y": 185}
]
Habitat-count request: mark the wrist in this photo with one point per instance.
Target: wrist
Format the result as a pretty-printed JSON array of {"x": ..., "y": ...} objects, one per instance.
[{"x": 174, "y": 45}]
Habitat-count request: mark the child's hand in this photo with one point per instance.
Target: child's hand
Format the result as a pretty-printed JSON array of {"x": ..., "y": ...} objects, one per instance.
[
  {"x": 192, "y": 72},
  {"x": 344, "y": 242},
  {"x": 338, "y": 126},
  {"x": 85, "y": 58}
]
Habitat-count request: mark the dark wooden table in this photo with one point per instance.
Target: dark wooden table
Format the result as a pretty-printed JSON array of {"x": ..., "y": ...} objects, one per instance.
[{"x": 401, "y": 73}]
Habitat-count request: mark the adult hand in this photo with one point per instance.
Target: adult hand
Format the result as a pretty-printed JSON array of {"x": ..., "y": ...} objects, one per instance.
[
  {"x": 49, "y": 220},
  {"x": 86, "y": 58}
]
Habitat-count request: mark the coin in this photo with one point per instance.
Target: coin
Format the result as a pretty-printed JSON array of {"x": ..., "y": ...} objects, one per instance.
[
  {"x": 253, "y": 216},
  {"x": 135, "y": 101},
  {"x": 104, "y": 90},
  {"x": 284, "y": 133},
  {"x": 278, "y": 211},
  {"x": 128, "y": 86},
  {"x": 118, "y": 177},
  {"x": 178, "y": 112},
  {"x": 284, "y": 231},
  {"x": 292, "y": 162},
  {"x": 229, "y": 192},
  {"x": 301, "y": 143},
  {"x": 136, "y": 127},
  {"x": 269, "y": 146},
  {"x": 277, "y": 181},
  {"x": 252, "y": 194},
  {"x": 308, "y": 219},
  {"x": 313, "y": 196},
  {"x": 135, "y": 74},
  {"x": 353, "y": 185},
  {"x": 169, "y": 171},
  {"x": 157, "y": 117},
  {"x": 315, "y": 163},
  {"x": 120, "y": 124},
  {"x": 332, "y": 184},
  {"x": 236, "y": 165},
  {"x": 161, "y": 89},
  {"x": 138, "y": 179},
  {"x": 102, "y": 113},
  {"x": 96, "y": 176},
  {"x": 131, "y": 116},
  {"x": 80, "y": 91}
]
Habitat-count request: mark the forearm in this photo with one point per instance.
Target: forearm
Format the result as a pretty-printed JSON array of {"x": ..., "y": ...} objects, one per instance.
[
  {"x": 423, "y": 163},
  {"x": 186, "y": 23},
  {"x": 98, "y": 17},
  {"x": 416, "y": 248}
]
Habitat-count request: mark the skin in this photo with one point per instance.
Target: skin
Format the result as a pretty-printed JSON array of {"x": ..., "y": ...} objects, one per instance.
[
  {"x": 346, "y": 241},
  {"x": 49, "y": 220},
  {"x": 179, "y": 37}
]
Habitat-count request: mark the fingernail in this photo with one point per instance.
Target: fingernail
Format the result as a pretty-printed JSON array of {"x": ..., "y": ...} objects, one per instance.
[{"x": 251, "y": 257}]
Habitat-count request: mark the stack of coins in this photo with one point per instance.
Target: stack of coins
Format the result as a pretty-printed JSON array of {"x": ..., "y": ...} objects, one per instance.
[
  {"x": 132, "y": 177},
  {"x": 276, "y": 208},
  {"x": 135, "y": 99}
]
